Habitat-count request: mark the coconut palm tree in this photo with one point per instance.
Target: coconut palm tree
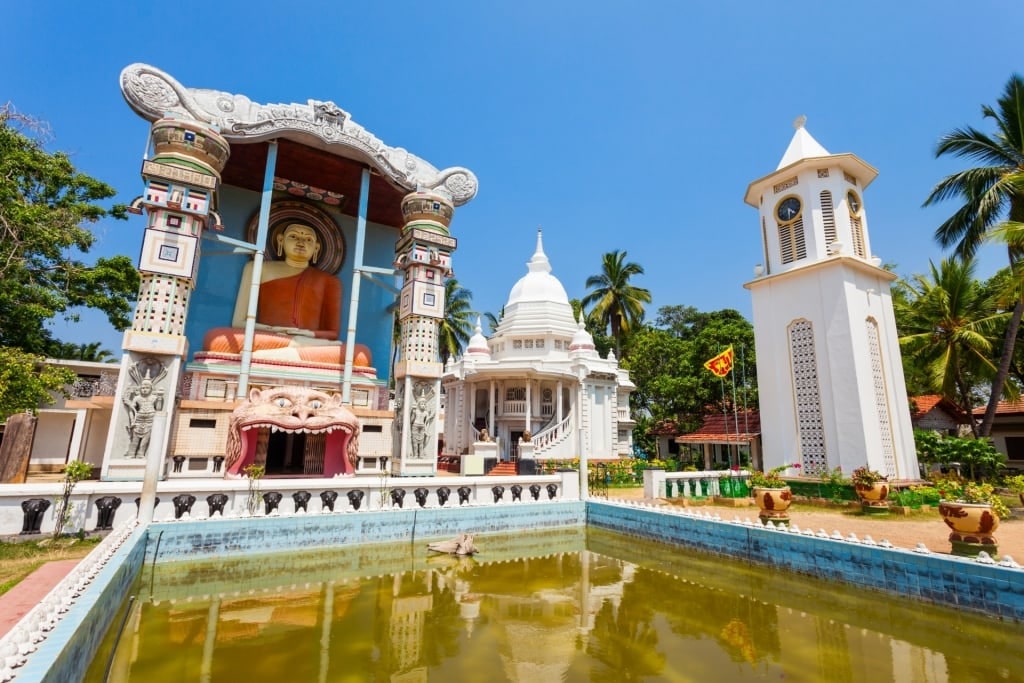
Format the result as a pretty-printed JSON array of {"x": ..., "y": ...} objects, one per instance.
[
  {"x": 456, "y": 327},
  {"x": 87, "y": 352},
  {"x": 948, "y": 329},
  {"x": 992, "y": 196},
  {"x": 492, "y": 321},
  {"x": 617, "y": 303}
]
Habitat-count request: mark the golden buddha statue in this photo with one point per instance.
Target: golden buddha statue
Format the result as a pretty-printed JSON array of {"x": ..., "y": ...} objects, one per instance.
[{"x": 298, "y": 316}]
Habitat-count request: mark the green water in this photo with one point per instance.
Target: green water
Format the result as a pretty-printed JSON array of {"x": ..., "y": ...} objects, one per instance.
[{"x": 568, "y": 605}]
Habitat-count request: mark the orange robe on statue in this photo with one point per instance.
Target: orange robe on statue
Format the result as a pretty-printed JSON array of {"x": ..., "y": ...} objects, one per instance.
[{"x": 310, "y": 301}]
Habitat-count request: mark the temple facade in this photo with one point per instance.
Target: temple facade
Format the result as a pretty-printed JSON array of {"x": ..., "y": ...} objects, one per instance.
[
  {"x": 278, "y": 238},
  {"x": 537, "y": 389}
]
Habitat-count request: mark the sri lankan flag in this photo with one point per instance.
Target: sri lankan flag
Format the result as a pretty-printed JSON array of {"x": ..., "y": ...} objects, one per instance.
[{"x": 721, "y": 364}]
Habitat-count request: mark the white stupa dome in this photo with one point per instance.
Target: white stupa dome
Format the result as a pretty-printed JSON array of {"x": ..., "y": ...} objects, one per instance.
[
  {"x": 538, "y": 301},
  {"x": 538, "y": 284},
  {"x": 478, "y": 347},
  {"x": 582, "y": 342}
]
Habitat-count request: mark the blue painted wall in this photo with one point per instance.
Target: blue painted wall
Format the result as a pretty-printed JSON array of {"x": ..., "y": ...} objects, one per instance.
[
  {"x": 182, "y": 541},
  {"x": 220, "y": 272}
]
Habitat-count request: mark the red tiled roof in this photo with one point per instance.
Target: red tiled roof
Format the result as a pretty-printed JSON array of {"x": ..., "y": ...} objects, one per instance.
[
  {"x": 922, "y": 405},
  {"x": 1004, "y": 408},
  {"x": 719, "y": 427},
  {"x": 665, "y": 428}
]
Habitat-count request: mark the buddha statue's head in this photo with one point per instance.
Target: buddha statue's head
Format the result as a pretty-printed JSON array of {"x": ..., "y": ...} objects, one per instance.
[{"x": 298, "y": 244}]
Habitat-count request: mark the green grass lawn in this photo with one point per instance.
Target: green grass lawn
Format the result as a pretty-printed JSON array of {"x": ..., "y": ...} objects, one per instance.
[{"x": 18, "y": 559}]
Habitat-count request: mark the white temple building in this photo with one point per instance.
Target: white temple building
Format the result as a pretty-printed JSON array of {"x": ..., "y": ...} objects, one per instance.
[{"x": 541, "y": 374}]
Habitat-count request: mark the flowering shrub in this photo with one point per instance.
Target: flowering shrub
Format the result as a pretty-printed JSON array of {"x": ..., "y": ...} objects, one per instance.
[
  {"x": 772, "y": 479},
  {"x": 865, "y": 476},
  {"x": 622, "y": 473},
  {"x": 957, "y": 490},
  {"x": 1015, "y": 483}
]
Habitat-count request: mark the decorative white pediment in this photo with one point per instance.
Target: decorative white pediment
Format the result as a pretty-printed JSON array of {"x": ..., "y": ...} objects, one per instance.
[{"x": 154, "y": 94}]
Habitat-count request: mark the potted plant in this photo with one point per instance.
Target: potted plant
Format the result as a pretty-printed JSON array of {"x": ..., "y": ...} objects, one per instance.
[
  {"x": 772, "y": 495},
  {"x": 972, "y": 512},
  {"x": 872, "y": 488}
]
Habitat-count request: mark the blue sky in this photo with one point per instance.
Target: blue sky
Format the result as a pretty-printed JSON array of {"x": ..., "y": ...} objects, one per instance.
[{"x": 612, "y": 125}]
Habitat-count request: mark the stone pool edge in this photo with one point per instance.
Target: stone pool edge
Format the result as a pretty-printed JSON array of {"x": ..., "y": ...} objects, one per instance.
[
  {"x": 71, "y": 644},
  {"x": 962, "y": 583}
]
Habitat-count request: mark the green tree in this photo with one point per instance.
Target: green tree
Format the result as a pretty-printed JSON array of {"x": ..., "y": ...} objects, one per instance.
[
  {"x": 666, "y": 385},
  {"x": 44, "y": 204},
  {"x": 457, "y": 325},
  {"x": 667, "y": 366},
  {"x": 26, "y": 382},
  {"x": 978, "y": 456},
  {"x": 677, "y": 320},
  {"x": 946, "y": 326},
  {"x": 616, "y": 303},
  {"x": 992, "y": 196}
]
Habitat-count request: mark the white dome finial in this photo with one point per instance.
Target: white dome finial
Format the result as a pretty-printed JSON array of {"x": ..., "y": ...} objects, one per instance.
[
  {"x": 800, "y": 122},
  {"x": 539, "y": 263}
]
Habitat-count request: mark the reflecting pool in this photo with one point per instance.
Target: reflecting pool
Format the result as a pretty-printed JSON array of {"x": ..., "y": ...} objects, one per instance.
[{"x": 566, "y": 605}]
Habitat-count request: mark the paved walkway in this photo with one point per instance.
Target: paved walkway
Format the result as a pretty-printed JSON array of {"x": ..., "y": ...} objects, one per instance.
[{"x": 17, "y": 602}]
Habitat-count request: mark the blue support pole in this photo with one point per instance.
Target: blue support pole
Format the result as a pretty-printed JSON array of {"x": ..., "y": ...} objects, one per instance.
[
  {"x": 263, "y": 226},
  {"x": 357, "y": 276}
]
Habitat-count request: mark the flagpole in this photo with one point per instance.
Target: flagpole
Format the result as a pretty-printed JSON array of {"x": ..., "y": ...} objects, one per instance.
[
  {"x": 743, "y": 369},
  {"x": 720, "y": 366},
  {"x": 735, "y": 417},
  {"x": 746, "y": 412},
  {"x": 725, "y": 419}
]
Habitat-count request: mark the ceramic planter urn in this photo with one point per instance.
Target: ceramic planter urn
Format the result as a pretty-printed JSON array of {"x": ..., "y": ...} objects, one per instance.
[
  {"x": 873, "y": 497},
  {"x": 773, "y": 504},
  {"x": 972, "y": 526}
]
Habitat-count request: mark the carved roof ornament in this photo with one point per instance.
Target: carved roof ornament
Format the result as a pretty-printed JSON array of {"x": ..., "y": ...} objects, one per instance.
[{"x": 154, "y": 94}]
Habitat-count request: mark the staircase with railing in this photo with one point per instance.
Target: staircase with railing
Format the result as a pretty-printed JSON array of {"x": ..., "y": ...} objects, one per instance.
[{"x": 547, "y": 440}]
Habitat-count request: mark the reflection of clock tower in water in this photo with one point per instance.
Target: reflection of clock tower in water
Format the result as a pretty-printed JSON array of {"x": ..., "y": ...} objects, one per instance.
[
  {"x": 829, "y": 370},
  {"x": 424, "y": 254}
]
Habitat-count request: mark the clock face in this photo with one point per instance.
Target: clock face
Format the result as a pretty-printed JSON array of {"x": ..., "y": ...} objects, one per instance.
[
  {"x": 788, "y": 209},
  {"x": 854, "y": 202}
]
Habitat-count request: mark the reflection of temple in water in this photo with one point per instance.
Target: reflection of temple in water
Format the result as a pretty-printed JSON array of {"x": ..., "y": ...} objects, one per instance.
[{"x": 565, "y": 616}]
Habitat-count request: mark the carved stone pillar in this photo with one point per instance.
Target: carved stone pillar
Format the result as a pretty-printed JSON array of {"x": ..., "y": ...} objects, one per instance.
[
  {"x": 423, "y": 253},
  {"x": 181, "y": 180}
]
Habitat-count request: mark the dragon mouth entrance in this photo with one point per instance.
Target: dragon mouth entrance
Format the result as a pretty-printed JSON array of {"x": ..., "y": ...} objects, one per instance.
[
  {"x": 317, "y": 452},
  {"x": 292, "y": 431}
]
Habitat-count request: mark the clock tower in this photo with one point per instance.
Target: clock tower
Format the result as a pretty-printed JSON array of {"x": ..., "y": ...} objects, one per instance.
[{"x": 830, "y": 374}]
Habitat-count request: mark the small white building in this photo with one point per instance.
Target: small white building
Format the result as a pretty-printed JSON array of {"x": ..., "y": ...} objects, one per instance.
[
  {"x": 69, "y": 429},
  {"x": 541, "y": 374}
]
